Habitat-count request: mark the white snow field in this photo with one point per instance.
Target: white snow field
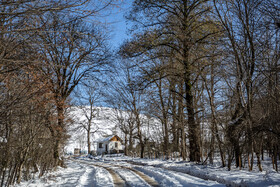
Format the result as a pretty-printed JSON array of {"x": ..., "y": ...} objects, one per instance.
[{"x": 85, "y": 172}]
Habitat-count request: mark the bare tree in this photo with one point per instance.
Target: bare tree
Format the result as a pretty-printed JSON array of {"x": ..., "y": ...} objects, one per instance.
[
  {"x": 87, "y": 98},
  {"x": 130, "y": 99},
  {"x": 126, "y": 123},
  {"x": 31, "y": 88},
  {"x": 69, "y": 53}
]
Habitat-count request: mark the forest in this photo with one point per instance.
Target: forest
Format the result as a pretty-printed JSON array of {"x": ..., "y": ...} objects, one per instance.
[{"x": 207, "y": 70}]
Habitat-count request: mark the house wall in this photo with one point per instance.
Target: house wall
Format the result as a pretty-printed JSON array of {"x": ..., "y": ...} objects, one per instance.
[
  {"x": 101, "y": 150},
  {"x": 111, "y": 146}
]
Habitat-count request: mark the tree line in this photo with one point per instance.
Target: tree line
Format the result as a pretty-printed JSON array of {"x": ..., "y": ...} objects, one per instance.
[
  {"x": 208, "y": 71},
  {"x": 46, "y": 49}
]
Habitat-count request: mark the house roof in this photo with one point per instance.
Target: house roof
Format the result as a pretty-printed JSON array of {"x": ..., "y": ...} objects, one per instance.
[{"x": 107, "y": 138}]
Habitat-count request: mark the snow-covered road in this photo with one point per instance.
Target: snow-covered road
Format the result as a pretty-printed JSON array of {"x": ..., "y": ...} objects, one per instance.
[
  {"x": 92, "y": 173},
  {"x": 134, "y": 175},
  {"x": 126, "y": 171},
  {"x": 128, "y": 175}
]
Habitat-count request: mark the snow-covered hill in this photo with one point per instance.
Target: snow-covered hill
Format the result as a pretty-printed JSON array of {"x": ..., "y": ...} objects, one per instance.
[{"x": 105, "y": 123}]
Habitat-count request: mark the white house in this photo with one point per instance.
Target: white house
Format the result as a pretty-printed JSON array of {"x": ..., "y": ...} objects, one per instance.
[{"x": 110, "y": 144}]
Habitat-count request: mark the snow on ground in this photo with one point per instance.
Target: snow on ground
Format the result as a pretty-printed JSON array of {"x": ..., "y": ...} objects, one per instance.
[
  {"x": 165, "y": 178},
  {"x": 166, "y": 172},
  {"x": 131, "y": 178},
  {"x": 235, "y": 177},
  {"x": 171, "y": 178},
  {"x": 75, "y": 174}
]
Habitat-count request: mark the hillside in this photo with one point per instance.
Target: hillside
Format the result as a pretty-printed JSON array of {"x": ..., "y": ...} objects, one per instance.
[{"x": 104, "y": 123}]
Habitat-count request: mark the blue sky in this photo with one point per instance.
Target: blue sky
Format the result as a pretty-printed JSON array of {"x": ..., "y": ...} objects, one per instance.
[
  {"x": 118, "y": 23},
  {"x": 118, "y": 26}
]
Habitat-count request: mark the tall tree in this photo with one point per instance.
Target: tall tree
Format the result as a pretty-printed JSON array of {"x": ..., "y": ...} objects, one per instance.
[
  {"x": 240, "y": 22},
  {"x": 181, "y": 27},
  {"x": 70, "y": 52}
]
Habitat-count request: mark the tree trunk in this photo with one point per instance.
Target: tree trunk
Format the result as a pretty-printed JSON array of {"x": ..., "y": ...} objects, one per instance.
[
  {"x": 275, "y": 151},
  {"x": 182, "y": 124},
  {"x": 193, "y": 126},
  {"x": 164, "y": 121},
  {"x": 125, "y": 145},
  {"x": 88, "y": 141},
  {"x": 130, "y": 140},
  {"x": 237, "y": 154},
  {"x": 229, "y": 159},
  {"x": 214, "y": 127},
  {"x": 142, "y": 145},
  {"x": 211, "y": 152},
  {"x": 56, "y": 151},
  {"x": 19, "y": 172},
  {"x": 259, "y": 161},
  {"x": 59, "y": 133},
  {"x": 174, "y": 127}
]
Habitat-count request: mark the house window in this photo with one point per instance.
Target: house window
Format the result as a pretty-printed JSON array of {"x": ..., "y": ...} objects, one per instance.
[
  {"x": 100, "y": 145},
  {"x": 116, "y": 145}
]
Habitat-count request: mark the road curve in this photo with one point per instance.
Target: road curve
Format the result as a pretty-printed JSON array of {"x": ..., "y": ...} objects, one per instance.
[
  {"x": 118, "y": 180},
  {"x": 146, "y": 178}
]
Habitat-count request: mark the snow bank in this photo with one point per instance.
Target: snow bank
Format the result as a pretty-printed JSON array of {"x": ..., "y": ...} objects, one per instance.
[{"x": 235, "y": 178}]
